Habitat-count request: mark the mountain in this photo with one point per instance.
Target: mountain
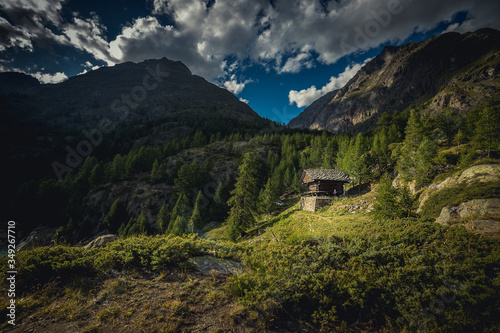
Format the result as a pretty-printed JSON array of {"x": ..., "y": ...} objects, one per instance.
[
  {"x": 153, "y": 89},
  {"x": 448, "y": 72},
  {"x": 145, "y": 103}
]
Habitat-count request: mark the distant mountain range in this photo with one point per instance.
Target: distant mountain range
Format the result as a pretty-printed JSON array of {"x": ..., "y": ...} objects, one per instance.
[{"x": 448, "y": 72}]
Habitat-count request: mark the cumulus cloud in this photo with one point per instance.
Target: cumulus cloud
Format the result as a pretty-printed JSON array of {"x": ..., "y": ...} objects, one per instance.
[
  {"x": 50, "y": 78},
  {"x": 278, "y": 34},
  {"x": 307, "y": 96},
  {"x": 87, "y": 35},
  {"x": 25, "y": 22},
  {"x": 234, "y": 86},
  {"x": 296, "y": 64}
]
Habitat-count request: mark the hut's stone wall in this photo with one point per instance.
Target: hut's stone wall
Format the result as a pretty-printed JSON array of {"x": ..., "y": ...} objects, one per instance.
[{"x": 312, "y": 204}]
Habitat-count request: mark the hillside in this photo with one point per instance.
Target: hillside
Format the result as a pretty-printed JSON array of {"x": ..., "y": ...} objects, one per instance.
[
  {"x": 448, "y": 73},
  {"x": 336, "y": 270}
]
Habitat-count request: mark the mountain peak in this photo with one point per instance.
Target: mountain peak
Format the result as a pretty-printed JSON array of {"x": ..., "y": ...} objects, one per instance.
[{"x": 437, "y": 72}]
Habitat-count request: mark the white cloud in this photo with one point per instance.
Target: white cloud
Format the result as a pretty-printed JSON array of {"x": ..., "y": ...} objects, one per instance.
[
  {"x": 244, "y": 100},
  {"x": 307, "y": 96},
  {"x": 284, "y": 36},
  {"x": 88, "y": 35},
  {"x": 296, "y": 64},
  {"x": 50, "y": 78},
  {"x": 234, "y": 86}
]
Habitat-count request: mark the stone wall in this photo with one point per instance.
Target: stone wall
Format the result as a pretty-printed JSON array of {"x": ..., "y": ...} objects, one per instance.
[{"x": 312, "y": 204}]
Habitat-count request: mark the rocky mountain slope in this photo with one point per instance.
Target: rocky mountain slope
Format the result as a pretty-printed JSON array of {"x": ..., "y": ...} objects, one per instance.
[{"x": 451, "y": 71}]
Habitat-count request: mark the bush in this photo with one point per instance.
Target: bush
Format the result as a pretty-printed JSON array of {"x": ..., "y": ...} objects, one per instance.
[{"x": 382, "y": 278}]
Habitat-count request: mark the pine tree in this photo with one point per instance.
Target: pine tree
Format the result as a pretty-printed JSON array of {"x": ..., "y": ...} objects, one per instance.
[
  {"x": 97, "y": 175},
  {"x": 218, "y": 209},
  {"x": 195, "y": 220},
  {"x": 423, "y": 167},
  {"x": 116, "y": 216},
  {"x": 143, "y": 224},
  {"x": 163, "y": 219},
  {"x": 155, "y": 172},
  {"x": 268, "y": 196},
  {"x": 244, "y": 196},
  {"x": 179, "y": 226},
  {"x": 411, "y": 166},
  {"x": 386, "y": 204},
  {"x": 380, "y": 151},
  {"x": 189, "y": 177},
  {"x": 405, "y": 201},
  {"x": 181, "y": 208},
  {"x": 487, "y": 133}
]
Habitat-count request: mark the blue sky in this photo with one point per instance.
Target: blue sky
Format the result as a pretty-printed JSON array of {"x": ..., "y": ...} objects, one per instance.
[{"x": 276, "y": 55}]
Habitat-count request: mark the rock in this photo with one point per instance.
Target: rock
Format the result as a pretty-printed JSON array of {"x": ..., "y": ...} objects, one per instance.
[
  {"x": 101, "y": 241},
  {"x": 481, "y": 214},
  {"x": 479, "y": 173},
  {"x": 205, "y": 264},
  {"x": 41, "y": 236}
]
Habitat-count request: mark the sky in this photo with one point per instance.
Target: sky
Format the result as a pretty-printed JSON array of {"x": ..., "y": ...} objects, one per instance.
[{"x": 276, "y": 55}]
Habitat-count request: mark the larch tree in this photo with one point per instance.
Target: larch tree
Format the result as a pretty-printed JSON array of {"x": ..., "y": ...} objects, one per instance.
[{"x": 243, "y": 201}]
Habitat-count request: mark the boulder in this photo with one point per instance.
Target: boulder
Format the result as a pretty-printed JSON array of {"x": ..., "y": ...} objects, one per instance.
[
  {"x": 483, "y": 173},
  {"x": 206, "y": 264},
  {"x": 101, "y": 241},
  {"x": 481, "y": 215},
  {"x": 41, "y": 236}
]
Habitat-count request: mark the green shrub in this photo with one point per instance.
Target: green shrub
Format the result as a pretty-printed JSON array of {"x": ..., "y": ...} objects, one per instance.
[{"x": 382, "y": 278}]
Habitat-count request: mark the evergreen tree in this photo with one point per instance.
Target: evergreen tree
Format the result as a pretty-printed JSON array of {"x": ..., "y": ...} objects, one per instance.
[
  {"x": 487, "y": 132},
  {"x": 417, "y": 152},
  {"x": 405, "y": 201},
  {"x": 97, "y": 175},
  {"x": 163, "y": 219},
  {"x": 155, "y": 172},
  {"x": 116, "y": 216},
  {"x": 244, "y": 196},
  {"x": 181, "y": 208},
  {"x": 195, "y": 221},
  {"x": 179, "y": 226},
  {"x": 330, "y": 152},
  {"x": 459, "y": 138},
  {"x": 117, "y": 170},
  {"x": 424, "y": 166},
  {"x": 189, "y": 177},
  {"x": 380, "y": 151},
  {"x": 218, "y": 209},
  {"x": 199, "y": 140},
  {"x": 386, "y": 204},
  {"x": 268, "y": 196},
  {"x": 142, "y": 224}
]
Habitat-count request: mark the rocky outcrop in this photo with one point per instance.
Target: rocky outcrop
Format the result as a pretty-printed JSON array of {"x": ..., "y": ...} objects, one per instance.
[
  {"x": 41, "y": 236},
  {"x": 208, "y": 264},
  {"x": 480, "y": 215},
  {"x": 451, "y": 71},
  {"x": 101, "y": 241},
  {"x": 483, "y": 173}
]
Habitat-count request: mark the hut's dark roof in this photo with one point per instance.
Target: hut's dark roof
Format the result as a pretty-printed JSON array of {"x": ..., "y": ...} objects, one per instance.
[{"x": 327, "y": 174}]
